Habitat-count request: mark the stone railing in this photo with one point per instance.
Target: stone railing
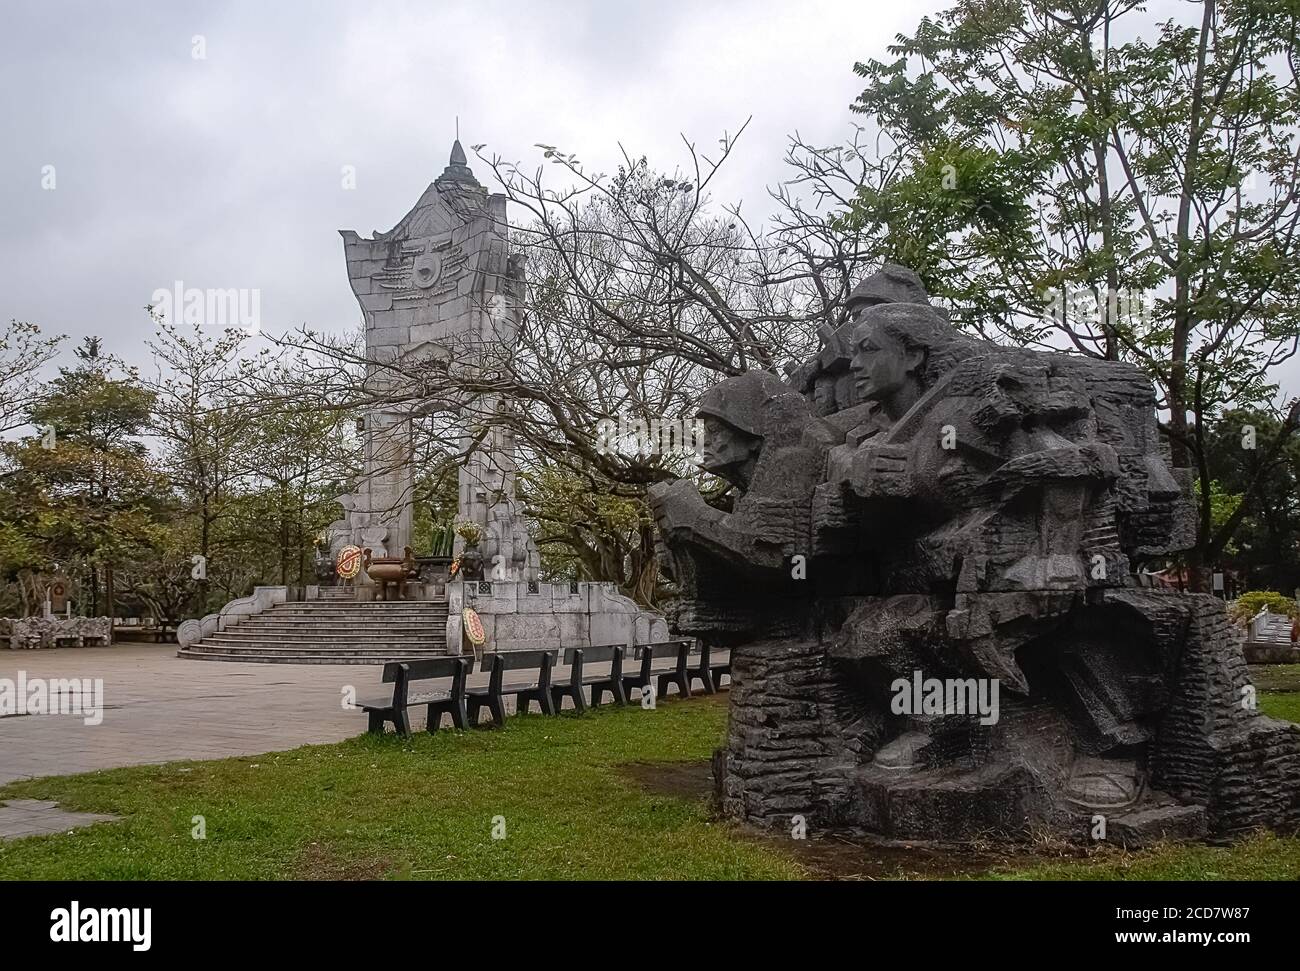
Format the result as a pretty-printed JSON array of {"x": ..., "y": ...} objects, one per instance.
[
  {"x": 1268, "y": 639},
  {"x": 262, "y": 598},
  {"x": 1270, "y": 628},
  {"x": 28, "y": 633}
]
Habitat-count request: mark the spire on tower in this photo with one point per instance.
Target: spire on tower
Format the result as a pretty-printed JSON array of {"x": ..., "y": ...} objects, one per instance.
[{"x": 458, "y": 168}]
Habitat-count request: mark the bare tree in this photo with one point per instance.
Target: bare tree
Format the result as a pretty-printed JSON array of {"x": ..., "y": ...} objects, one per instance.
[
  {"x": 636, "y": 292},
  {"x": 23, "y": 352}
]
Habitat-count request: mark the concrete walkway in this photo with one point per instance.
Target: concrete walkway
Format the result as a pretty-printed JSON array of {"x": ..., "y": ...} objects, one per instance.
[
  {"x": 158, "y": 708},
  {"x": 40, "y": 817}
]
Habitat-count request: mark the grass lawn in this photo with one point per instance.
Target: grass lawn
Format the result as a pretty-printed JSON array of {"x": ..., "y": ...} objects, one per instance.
[
  {"x": 1279, "y": 689},
  {"x": 421, "y": 808},
  {"x": 573, "y": 795}
]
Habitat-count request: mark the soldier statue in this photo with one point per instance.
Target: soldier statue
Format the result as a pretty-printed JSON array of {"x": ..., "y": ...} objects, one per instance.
[{"x": 918, "y": 507}]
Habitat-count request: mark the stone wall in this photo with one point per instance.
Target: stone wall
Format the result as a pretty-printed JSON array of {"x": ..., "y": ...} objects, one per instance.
[
  {"x": 1214, "y": 748},
  {"x": 518, "y": 615},
  {"x": 28, "y": 633},
  {"x": 783, "y": 756}
]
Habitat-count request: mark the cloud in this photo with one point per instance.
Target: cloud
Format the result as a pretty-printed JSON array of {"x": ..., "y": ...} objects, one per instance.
[{"x": 226, "y": 171}]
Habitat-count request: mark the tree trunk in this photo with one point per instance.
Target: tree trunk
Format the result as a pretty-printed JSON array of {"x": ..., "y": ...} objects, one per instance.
[{"x": 204, "y": 544}]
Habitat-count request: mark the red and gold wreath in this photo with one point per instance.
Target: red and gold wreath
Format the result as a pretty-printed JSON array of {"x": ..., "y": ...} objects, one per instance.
[{"x": 473, "y": 626}]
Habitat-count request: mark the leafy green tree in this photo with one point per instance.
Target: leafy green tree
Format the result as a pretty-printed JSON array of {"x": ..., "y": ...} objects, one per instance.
[
  {"x": 590, "y": 532},
  {"x": 1256, "y": 500},
  {"x": 81, "y": 492},
  {"x": 1064, "y": 180}
]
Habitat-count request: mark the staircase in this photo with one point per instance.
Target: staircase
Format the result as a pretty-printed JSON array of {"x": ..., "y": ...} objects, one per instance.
[{"x": 331, "y": 631}]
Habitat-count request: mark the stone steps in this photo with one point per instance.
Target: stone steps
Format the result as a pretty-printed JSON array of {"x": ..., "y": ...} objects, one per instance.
[
  {"x": 356, "y": 610},
  {"x": 309, "y": 637},
  {"x": 197, "y": 653},
  {"x": 397, "y": 618},
  {"x": 331, "y": 632},
  {"x": 341, "y": 650},
  {"x": 336, "y": 593},
  {"x": 413, "y": 630},
  {"x": 326, "y": 642}
]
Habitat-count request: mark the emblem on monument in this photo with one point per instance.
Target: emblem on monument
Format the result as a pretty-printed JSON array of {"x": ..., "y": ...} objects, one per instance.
[{"x": 426, "y": 270}]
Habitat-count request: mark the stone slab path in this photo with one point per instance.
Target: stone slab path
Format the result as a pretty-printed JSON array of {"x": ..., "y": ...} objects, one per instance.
[{"x": 40, "y": 817}]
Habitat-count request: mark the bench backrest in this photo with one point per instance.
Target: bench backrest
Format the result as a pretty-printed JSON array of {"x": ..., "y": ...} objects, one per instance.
[
  {"x": 596, "y": 654},
  {"x": 514, "y": 660},
  {"x": 662, "y": 649},
  {"x": 424, "y": 669},
  {"x": 649, "y": 653},
  {"x": 499, "y": 662}
]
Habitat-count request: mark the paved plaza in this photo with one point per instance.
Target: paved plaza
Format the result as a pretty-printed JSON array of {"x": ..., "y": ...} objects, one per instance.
[{"x": 159, "y": 708}]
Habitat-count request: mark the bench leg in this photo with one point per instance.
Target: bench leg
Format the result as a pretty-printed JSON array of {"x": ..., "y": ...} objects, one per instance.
[
  {"x": 546, "y": 702},
  {"x": 472, "y": 709},
  {"x": 498, "y": 708},
  {"x": 375, "y": 722},
  {"x": 579, "y": 702},
  {"x": 433, "y": 721},
  {"x": 523, "y": 703},
  {"x": 459, "y": 715},
  {"x": 402, "y": 722},
  {"x": 706, "y": 679}
]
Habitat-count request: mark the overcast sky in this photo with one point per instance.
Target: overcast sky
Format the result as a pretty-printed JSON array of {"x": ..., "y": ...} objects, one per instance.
[{"x": 225, "y": 171}]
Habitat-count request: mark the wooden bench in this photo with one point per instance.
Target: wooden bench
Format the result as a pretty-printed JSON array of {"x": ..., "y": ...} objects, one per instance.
[
  {"x": 648, "y": 672},
  {"x": 401, "y": 675},
  {"x": 575, "y": 658},
  {"x": 497, "y": 663},
  {"x": 713, "y": 664}
]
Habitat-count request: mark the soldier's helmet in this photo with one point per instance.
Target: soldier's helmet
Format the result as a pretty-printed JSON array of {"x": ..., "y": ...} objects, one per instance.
[
  {"x": 890, "y": 284},
  {"x": 739, "y": 401}
]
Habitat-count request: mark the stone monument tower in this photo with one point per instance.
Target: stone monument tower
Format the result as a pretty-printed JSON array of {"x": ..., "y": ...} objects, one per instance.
[{"x": 440, "y": 283}]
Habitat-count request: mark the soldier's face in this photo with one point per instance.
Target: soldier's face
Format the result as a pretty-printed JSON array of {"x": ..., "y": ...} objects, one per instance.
[
  {"x": 724, "y": 446},
  {"x": 881, "y": 365}
]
